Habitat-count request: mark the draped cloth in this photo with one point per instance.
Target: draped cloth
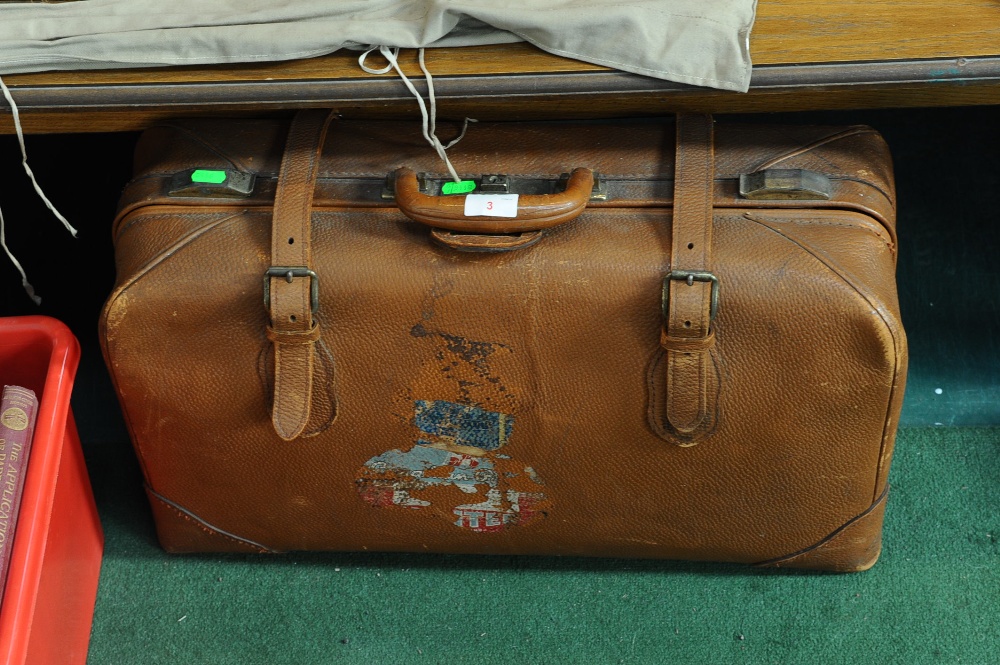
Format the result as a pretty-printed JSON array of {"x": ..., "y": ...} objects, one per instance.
[{"x": 698, "y": 42}]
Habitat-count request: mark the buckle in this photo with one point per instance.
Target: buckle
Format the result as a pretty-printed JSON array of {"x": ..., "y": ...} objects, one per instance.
[
  {"x": 691, "y": 276},
  {"x": 290, "y": 272}
]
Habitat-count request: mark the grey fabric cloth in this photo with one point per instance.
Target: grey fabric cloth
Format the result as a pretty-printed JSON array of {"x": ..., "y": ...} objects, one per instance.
[{"x": 700, "y": 42}]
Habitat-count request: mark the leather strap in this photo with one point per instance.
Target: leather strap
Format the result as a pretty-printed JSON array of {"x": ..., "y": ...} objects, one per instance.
[
  {"x": 688, "y": 338},
  {"x": 291, "y": 285}
]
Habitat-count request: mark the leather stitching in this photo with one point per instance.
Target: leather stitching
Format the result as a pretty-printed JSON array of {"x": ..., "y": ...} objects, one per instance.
[
  {"x": 831, "y": 536},
  {"x": 656, "y": 383},
  {"x": 205, "y": 526},
  {"x": 805, "y": 222},
  {"x": 892, "y": 325},
  {"x": 172, "y": 251}
]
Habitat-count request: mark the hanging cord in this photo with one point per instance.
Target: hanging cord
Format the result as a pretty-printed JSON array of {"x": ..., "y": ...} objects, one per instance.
[
  {"x": 48, "y": 204},
  {"x": 391, "y": 54},
  {"x": 29, "y": 289}
]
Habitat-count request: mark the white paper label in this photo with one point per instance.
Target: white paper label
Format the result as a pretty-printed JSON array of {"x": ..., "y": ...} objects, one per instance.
[{"x": 491, "y": 205}]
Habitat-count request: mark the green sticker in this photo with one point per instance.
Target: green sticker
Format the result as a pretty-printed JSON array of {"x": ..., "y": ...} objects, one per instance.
[
  {"x": 463, "y": 187},
  {"x": 208, "y": 176}
]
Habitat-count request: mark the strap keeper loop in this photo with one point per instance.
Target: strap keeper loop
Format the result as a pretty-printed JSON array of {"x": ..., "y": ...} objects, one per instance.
[
  {"x": 686, "y": 344},
  {"x": 294, "y": 336}
]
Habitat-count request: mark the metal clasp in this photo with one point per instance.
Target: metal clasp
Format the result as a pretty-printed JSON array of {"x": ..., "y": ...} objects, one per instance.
[
  {"x": 785, "y": 184},
  {"x": 691, "y": 276},
  {"x": 289, "y": 273},
  {"x": 494, "y": 183},
  {"x": 212, "y": 183}
]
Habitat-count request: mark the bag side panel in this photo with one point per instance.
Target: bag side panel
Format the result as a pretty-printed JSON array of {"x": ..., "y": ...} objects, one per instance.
[{"x": 498, "y": 403}]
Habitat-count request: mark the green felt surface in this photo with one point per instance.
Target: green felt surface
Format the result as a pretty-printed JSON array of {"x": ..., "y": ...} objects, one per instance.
[{"x": 934, "y": 597}]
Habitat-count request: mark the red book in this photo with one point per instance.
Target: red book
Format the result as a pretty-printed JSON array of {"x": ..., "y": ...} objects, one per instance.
[{"x": 18, "y": 407}]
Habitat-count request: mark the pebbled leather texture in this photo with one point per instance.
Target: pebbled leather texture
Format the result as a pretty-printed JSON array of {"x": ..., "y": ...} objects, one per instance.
[
  {"x": 515, "y": 402},
  {"x": 688, "y": 337},
  {"x": 853, "y": 547},
  {"x": 292, "y": 329},
  {"x": 181, "y": 531}
]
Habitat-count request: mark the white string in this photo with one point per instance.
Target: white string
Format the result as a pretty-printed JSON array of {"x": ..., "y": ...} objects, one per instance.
[
  {"x": 429, "y": 119},
  {"x": 24, "y": 159},
  {"x": 48, "y": 204},
  {"x": 24, "y": 278}
]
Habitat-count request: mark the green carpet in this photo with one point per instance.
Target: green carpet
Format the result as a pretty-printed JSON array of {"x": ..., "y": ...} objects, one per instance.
[{"x": 934, "y": 597}]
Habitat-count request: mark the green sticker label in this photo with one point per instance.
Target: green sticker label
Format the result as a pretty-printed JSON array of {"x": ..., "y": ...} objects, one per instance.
[
  {"x": 463, "y": 187},
  {"x": 208, "y": 176}
]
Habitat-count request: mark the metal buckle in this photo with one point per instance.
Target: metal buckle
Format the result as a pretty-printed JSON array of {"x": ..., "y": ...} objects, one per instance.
[
  {"x": 691, "y": 276},
  {"x": 289, "y": 272}
]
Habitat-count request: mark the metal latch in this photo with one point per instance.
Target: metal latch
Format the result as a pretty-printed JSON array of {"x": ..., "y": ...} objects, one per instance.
[
  {"x": 212, "y": 183},
  {"x": 598, "y": 193},
  {"x": 494, "y": 183},
  {"x": 785, "y": 184}
]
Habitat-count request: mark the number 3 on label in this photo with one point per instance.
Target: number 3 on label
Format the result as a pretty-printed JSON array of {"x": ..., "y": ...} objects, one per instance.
[{"x": 492, "y": 205}]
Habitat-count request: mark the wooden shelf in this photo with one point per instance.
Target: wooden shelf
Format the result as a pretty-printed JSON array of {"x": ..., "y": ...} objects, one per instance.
[{"x": 807, "y": 56}]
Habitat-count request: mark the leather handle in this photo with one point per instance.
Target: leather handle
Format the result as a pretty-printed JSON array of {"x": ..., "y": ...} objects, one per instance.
[
  {"x": 534, "y": 211},
  {"x": 484, "y": 242}
]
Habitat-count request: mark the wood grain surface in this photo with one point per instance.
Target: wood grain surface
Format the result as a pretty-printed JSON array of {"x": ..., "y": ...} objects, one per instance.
[
  {"x": 792, "y": 31},
  {"x": 787, "y": 33}
]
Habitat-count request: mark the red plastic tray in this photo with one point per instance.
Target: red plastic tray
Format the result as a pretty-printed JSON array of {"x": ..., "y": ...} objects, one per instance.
[{"x": 48, "y": 604}]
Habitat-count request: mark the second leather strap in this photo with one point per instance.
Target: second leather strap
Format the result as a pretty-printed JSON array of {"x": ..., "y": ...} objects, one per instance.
[
  {"x": 690, "y": 290},
  {"x": 291, "y": 287}
]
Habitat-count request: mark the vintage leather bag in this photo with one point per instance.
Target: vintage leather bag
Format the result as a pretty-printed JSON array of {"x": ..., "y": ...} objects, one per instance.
[{"x": 685, "y": 345}]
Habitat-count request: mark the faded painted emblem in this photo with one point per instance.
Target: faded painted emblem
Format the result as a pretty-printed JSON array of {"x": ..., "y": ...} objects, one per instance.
[
  {"x": 454, "y": 464},
  {"x": 15, "y": 418}
]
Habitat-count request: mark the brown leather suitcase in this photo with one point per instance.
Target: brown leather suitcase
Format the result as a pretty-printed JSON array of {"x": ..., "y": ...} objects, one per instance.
[{"x": 685, "y": 344}]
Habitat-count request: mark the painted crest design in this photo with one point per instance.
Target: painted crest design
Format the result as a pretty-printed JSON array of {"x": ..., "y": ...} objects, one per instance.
[{"x": 455, "y": 464}]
